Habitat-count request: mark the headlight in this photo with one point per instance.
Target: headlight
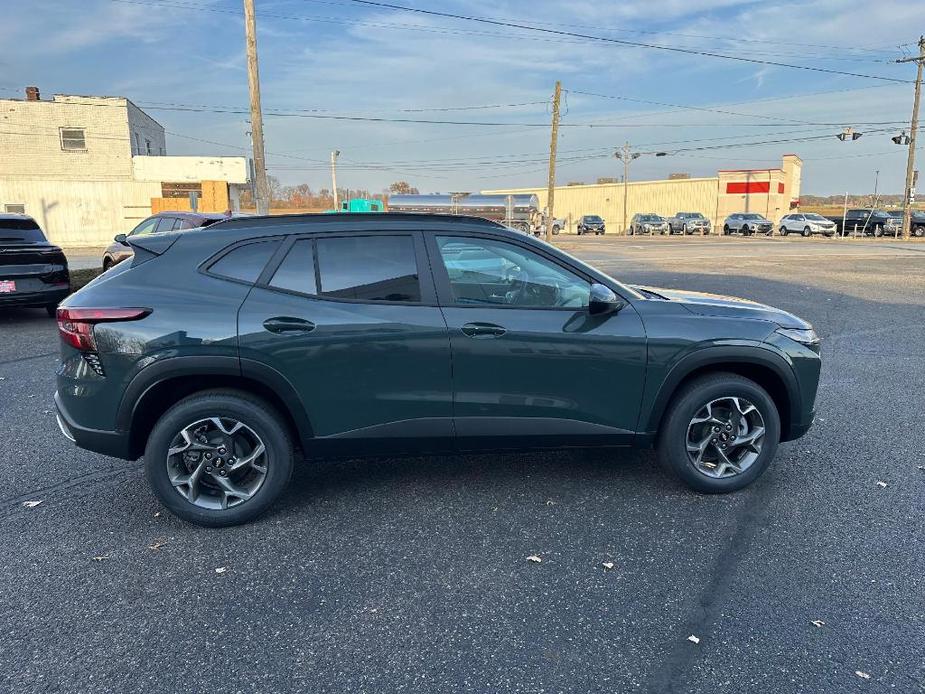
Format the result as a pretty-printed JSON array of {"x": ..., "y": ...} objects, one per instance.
[{"x": 804, "y": 337}]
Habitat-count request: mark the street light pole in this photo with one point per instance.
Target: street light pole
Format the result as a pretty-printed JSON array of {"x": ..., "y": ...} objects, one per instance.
[
  {"x": 908, "y": 191},
  {"x": 626, "y": 155},
  {"x": 334, "y": 156},
  {"x": 262, "y": 187}
]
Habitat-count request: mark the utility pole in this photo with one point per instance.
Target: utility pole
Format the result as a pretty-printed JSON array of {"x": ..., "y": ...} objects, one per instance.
[
  {"x": 334, "y": 156},
  {"x": 253, "y": 84},
  {"x": 909, "y": 190},
  {"x": 626, "y": 155},
  {"x": 553, "y": 145}
]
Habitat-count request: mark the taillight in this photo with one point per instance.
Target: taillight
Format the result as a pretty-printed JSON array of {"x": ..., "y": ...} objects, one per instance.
[{"x": 75, "y": 325}]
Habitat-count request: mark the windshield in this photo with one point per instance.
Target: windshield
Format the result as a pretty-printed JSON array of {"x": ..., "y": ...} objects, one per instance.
[
  {"x": 692, "y": 215},
  {"x": 20, "y": 231},
  {"x": 593, "y": 218},
  {"x": 752, "y": 216},
  {"x": 815, "y": 217},
  {"x": 650, "y": 218}
]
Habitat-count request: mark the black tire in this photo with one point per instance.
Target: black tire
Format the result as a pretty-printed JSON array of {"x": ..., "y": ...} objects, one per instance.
[
  {"x": 918, "y": 231},
  {"x": 783, "y": 231},
  {"x": 555, "y": 230},
  {"x": 52, "y": 310},
  {"x": 630, "y": 232},
  {"x": 107, "y": 263},
  {"x": 252, "y": 411},
  {"x": 671, "y": 447},
  {"x": 807, "y": 232},
  {"x": 745, "y": 231},
  {"x": 725, "y": 231},
  {"x": 878, "y": 231}
]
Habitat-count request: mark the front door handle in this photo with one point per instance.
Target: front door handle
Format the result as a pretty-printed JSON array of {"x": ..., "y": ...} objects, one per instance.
[
  {"x": 483, "y": 330},
  {"x": 288, "y": 324}
]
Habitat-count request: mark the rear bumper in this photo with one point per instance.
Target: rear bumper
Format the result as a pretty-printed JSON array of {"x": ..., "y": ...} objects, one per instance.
[
  {"x": 113, "y": 443},
  {"x": 44, "y": 297}
]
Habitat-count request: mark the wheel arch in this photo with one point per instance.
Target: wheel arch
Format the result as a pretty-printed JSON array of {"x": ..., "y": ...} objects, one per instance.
[
  {"x": 763, "y": 366},
  {"x": 161, "y": 385}
]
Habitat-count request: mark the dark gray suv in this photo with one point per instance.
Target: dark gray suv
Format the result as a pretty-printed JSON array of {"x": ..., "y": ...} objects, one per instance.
[{"x": 224, "y": 355}]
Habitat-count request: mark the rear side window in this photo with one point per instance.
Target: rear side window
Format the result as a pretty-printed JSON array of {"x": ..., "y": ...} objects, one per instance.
[
  {"x": 245, "y": 263},
  {"x": 165, "y": 223},
  {"x": 297, "y": 271},
  {"x": 368, "y": 268}
]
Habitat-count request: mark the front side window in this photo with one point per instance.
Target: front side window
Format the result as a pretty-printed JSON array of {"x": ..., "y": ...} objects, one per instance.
[
  {"x": 368, "y": 268},
  {"x": 73, "y": 139},
  {"x": 146, "y": 227},
  {"x": 490, "y": 272},
  {"x": 165, "y": 223}
]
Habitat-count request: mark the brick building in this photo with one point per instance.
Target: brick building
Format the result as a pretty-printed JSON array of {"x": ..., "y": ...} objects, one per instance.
[{"x": 88, "y": 167}]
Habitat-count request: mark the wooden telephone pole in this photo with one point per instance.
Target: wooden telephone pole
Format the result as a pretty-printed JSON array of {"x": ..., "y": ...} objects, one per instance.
[
  {"x": 909, "y": 191},
  {"x": 553, "y": 145},
  {"x": 253, "y": 82},
  {"x": 334, "y": 155}
]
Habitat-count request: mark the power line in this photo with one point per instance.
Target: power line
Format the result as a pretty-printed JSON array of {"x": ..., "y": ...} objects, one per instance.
[{"x": 624, "y": 42}]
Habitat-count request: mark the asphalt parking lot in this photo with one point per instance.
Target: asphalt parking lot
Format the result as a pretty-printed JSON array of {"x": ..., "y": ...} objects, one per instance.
[{"x": 411, "y": 575}]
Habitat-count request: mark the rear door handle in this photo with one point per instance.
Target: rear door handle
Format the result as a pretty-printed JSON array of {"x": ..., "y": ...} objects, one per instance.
[
  {"x": 288, "y": 324},
  {"x": 483, "y": 330}
]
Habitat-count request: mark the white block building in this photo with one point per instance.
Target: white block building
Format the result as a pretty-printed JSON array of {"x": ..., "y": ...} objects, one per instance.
[{"x": 88, "y": 167}]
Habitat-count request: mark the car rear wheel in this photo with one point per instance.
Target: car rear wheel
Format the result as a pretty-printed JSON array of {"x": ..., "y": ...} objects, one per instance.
[
  {"x": 783, "y": 231},
  {"x": 107, "y": 263},
  {"x": 725, "y": 231},
  {"x": 918, "y": 231},
  {"x": 720, "y": 433},
  {"x": 219, "y": 458}
]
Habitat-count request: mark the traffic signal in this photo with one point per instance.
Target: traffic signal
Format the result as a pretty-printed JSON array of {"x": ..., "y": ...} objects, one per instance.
[{"x": 901, "y": 139}]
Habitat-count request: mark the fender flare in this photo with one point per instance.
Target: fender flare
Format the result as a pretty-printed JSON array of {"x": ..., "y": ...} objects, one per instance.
[
  {"x": 173, "y": 367},
  {"x": 720, "y": 355}
]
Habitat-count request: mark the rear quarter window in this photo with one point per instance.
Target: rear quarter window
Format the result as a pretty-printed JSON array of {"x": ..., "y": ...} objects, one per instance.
[
  {"x": 245, "y": 262},
  {"x": 20, "y": 231}
]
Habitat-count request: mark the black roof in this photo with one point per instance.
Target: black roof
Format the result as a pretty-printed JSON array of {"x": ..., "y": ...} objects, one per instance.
[
  {"x": 356, "y": 220},
  {"x": 188, "y": 214}
]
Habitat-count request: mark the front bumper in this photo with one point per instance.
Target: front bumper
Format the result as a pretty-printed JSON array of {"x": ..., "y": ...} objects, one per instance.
[{"x": 114, "y": 443}]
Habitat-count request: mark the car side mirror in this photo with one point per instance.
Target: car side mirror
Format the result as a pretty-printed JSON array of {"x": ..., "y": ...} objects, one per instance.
[
  {"x": 120, "y": 238},
  {"x": 603, "y": 301}
]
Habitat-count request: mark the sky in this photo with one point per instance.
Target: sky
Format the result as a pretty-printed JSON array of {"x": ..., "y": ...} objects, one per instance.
[{"x": 182, "y": 60}]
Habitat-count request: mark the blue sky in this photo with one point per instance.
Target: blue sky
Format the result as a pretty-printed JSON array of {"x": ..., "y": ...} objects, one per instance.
[{"x": 336, "y": 57}]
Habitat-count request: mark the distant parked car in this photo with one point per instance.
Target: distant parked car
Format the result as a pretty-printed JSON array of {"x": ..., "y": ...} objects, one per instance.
[
  {"x": 806, "y": 224},
  {"x": 590, "y": 224},
  {"x": 648, "y": 224},
  {"x": 119, "y": 250},
  {"x": 867, "y": 221},
  {"x": 918, "y": 222},
  {"x": 33, "y": 272},
  {"x": 689, "y": 223},
  {"x": 747, "y": 223}
]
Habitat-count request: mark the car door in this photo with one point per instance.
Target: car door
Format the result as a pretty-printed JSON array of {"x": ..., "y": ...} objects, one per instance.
[
  {"x": 530, "y": 363},
  {"x": 351, "y": 322}
]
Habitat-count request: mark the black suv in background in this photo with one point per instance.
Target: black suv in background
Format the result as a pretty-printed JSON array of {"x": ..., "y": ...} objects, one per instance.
[
  {"x": 217, "y": 354},
  {"x": 120, "y": 249},
  {"x": 590, "y": 224},
  {"x": 33, "y": 272},
  {"x": 866, "y": 221}
]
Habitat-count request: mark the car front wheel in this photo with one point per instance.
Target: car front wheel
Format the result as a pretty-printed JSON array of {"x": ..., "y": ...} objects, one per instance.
[
  {"x": 807, "y": 231},
  {"x": 720, "y": 433},
  {"x": 219, "y": 458}
]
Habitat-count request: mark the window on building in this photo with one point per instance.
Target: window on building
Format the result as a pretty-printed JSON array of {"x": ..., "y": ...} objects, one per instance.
[
  {"x": 369, "y": 268},
  {"x": 137, "y": 143},
  {"x": 15, "y": 208},
  {"x": 73, "y": 139},
  {"x": 148, "y": 146}
]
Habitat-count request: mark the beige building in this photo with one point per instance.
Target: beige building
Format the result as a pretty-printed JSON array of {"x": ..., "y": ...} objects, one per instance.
[
  {"x": 771, "y": 192},
  {"x": 88, "y": 167}
]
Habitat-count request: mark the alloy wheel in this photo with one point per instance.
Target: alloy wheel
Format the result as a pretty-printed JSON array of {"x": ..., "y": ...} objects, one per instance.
[
  {"x": 217, "y": 463},
  {"x": 725, "y": 436}
]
